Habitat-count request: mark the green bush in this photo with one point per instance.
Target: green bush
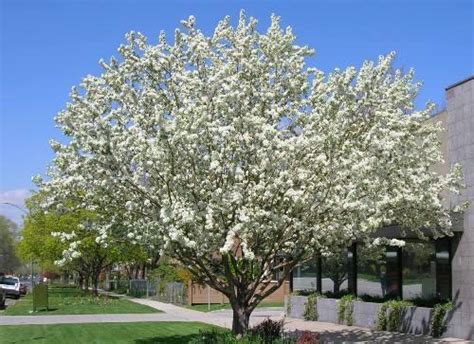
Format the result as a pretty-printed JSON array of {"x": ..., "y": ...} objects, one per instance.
[
  {"x": 390, "y": 315},
  {"x": 438, "y": 321},
  {"x": 226, "y": 337},
  {"x": 268, "y": 330},
  {"x": 346, "y": 309},
  {"x": 311, "y": 308}
]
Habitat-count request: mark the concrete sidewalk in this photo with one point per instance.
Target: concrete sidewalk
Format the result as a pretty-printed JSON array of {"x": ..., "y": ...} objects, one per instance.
[{"x": 84, "y": 318}]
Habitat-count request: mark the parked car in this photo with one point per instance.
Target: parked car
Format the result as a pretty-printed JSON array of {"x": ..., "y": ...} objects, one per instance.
[
  {"x": 23, "y": 289},
  {"x": 11, "y": 285}
]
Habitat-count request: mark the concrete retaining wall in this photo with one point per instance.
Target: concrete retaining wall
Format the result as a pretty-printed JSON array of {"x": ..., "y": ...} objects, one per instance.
[
  {"x": 415, "y": 320},
  {"x": 365, "y": 314}
]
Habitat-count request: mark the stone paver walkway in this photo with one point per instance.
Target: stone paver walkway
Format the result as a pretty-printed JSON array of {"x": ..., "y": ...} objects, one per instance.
[{"x": 335, "y": 333}]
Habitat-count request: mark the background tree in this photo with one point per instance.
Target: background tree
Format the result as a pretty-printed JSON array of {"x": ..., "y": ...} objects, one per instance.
[
  {"x": 37, "y": 243},
  {"x": 9, "y": 261},
  {"x": 241, "y": 159},
  {"x": 335, "y": 267},
  {"x": 70, "y": 240}
]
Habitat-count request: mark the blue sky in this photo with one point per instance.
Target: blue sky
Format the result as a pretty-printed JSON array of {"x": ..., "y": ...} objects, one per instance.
[{"x": 48, "y": 46}]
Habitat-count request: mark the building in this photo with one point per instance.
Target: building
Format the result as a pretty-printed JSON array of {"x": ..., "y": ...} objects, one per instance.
[{"x": 415, "y": 269}]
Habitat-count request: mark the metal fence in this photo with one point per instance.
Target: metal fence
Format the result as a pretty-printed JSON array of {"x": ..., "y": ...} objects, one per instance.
[{"x": 170, "y": 292}]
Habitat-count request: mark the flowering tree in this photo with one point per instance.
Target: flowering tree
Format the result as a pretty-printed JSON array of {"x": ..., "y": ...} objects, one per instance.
[{"x": 241, "y": 159}]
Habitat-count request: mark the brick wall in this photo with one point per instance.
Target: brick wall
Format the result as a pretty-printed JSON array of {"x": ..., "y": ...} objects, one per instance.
[{"x": 199, "y": 294}]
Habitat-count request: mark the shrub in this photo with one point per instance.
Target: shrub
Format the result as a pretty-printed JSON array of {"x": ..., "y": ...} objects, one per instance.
[
  {"x": 308, "y": 338},
  {"x": 346, "y": 309},
  {"x": 382, "y": 317},
  {"x": 390, "y": 315},
  {"x": 311, "y": 308},
  {"x": 336, "y": 295},
  {"x": 288, "y": 305},
  {"x": 218, "y": 336},
  {"x": 438, "y": 321},
  {"x": 304, "y": 292},
  {"x": 214, "y": 337},
  {"x": 268, "y": 330}
]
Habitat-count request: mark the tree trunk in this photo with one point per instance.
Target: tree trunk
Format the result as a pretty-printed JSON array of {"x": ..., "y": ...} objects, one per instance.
[
  {"x": 240, "y": 320},
  {"x": 95, "y": 283},
  {"x": 137, "y": 270},
  {"x": 81, "y": 281},
  {"x": 86, "y": 282}
]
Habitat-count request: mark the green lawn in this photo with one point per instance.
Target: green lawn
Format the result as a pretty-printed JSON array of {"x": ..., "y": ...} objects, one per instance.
[
  {"x": 216, "y": 306},
  {"x": 75, "y": 301},
  {"x": 137, "y": 333}
]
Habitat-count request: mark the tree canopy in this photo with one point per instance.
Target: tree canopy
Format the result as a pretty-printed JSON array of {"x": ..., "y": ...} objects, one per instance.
[
  {"x": 8, "y": 256},
  {"x": 242, "y": 160}
]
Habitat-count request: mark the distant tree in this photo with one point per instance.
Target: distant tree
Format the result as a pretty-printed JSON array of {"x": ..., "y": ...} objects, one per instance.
[
  {"x": 71, "y": 240},
  {"x": 335, "y": 267},
  {"x": 9, "y": 261}
]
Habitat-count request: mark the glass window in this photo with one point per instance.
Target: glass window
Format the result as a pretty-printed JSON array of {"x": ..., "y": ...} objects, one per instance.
[
  {"x": 335, "y": 272},
  {"x": 371, "y": 271},
  {"x": 305, "y": 276},
  {"x": 443, "y": 268},
  {"x": 392, "y": 273},
  {"x": 419, "y": 270}
]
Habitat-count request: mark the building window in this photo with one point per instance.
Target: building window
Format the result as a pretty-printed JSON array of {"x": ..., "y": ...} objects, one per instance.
[
  {"x": 393, "y": 274},
  {"x": 335, "y": 273},
  {"x": 371, "y": 271},
  {"x": 443, "y": 268},
  {"x": 419, "y": 270},
  {"x": 378, "y": 271},
  {"x": 305, "y": 276}
]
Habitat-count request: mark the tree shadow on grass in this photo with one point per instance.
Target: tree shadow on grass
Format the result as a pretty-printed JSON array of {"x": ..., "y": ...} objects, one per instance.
[{"x": 167, "y": 339}]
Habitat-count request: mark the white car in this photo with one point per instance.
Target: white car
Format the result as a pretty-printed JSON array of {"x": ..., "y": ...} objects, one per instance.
[{"x": 11, "y": 285}]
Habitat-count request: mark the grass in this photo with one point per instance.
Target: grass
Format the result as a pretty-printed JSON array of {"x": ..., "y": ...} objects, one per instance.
[
  {"x": 217, "y": 306},
  {"x": 138, "y": 333},
  {"x": 76, "y": 301}
]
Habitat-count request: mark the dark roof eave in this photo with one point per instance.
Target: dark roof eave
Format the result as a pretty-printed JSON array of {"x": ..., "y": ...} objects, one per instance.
[{"x": 460, "y": 82}]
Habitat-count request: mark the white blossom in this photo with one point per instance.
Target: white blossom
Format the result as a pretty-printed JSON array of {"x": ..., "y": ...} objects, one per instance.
[{"x": 208, "y": 143}]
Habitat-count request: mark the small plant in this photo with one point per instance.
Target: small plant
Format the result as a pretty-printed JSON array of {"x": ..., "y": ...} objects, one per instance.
[
  {"x": 288, "y": 305},
  {"x": 382, "y": 317},
  {"x": 219, "y": 336},
  {"x": 390, "y": 315},
  {"x": 309, "y": 338},
  {"x": 268, "y": 330},
  {"x": 311, "y": 308},
  {"x": 346, "y": 309},
  {"x": 438, "y": 321},
  {"x": 214, "y": 337}
]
